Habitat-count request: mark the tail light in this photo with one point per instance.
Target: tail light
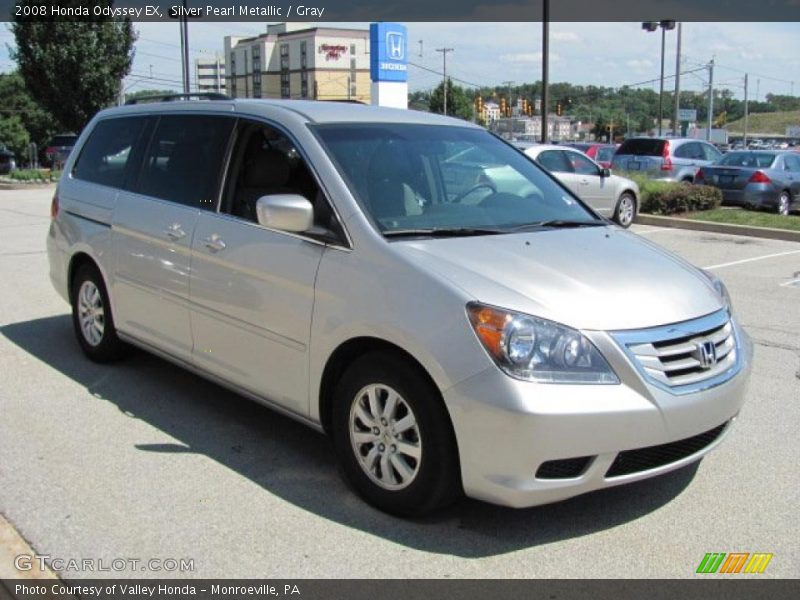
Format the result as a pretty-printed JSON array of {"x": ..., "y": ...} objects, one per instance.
[
  {"x": 54, "y": 206},
  {"x": 50, "y": 150},
  {"x": 759, "y": 177},
  {"x": 667, "y": 165},
  {"x": 700, "y": 177}
]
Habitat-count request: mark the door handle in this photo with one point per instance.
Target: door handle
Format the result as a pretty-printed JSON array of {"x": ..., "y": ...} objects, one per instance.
[
  {"x": 175, "y": 232},
  {"x": 214, "y": 243}
]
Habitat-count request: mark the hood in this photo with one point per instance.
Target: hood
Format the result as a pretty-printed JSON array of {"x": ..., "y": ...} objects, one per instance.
[{"x": 601, "y": 278}]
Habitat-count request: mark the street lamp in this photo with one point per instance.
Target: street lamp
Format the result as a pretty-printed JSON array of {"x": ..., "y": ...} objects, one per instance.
[{"x": 651, "y": 26}]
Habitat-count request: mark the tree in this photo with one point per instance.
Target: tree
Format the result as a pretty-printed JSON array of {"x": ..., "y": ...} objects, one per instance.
[
  {"x": 458, "y": 103},
  {"x": 145, "y": 93},
  {"x": 15, "y": 100},
  {"x": 14, "y": 136},
  {"x": 73, "y": 69}
]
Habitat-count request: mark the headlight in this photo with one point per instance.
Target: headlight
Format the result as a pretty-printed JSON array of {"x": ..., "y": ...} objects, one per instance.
[
  {"x": 535, "y": 349},
  {"x": 720, "y": 288}
]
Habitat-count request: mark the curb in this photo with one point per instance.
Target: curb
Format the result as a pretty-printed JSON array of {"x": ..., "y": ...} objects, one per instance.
[
  {"x": 5, "y": 185},
  {"x": 12, "y": 544},
  {"x": 747, "y": 230}
]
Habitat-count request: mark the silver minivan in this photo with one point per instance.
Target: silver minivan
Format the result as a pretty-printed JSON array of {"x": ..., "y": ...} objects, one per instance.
[
  {"x": 356, "y": 268},
  {"x": 666, "y": 159}
]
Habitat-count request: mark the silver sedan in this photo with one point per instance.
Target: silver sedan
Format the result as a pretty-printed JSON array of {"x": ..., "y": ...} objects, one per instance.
[{"x": 610, "y": 195}]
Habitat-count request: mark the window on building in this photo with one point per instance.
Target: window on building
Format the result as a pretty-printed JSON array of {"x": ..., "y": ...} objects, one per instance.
[
  {"x": 352, "y": 49},
  {"x": 182, "y": 163},
  {"x": 233, "y": 63},
  {"x": 284, "y": 49}
]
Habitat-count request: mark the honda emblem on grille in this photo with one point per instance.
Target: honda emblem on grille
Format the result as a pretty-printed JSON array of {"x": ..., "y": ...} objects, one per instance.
[{"x": 707, "y": 354}]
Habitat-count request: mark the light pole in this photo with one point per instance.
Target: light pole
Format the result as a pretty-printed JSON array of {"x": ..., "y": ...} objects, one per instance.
[{"x": 651, "y": 26}]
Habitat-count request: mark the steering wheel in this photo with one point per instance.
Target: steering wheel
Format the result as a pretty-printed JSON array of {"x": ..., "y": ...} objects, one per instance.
[{"x": 477, "y": 186}]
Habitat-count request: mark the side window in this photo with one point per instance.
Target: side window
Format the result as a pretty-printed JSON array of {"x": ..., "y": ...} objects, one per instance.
[
  {"x": 264, "y": 162},
  {"x": 184, "y": 161},
  {"x": 684, "y": 151},
  {"x": 554, "y": 161},
  {"x": 711, "y": 153},
  {"x": 581, "y": 164},
  {"x": 791, "y": 163},
  {"x": 105, "y": 157}
]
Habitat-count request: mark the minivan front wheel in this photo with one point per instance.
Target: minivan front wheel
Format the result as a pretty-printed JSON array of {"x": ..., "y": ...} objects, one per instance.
[
  {"x": 91, "y": 316},
  {"x": 626, "y": 210},
  {"x": 394, "y": 438}
]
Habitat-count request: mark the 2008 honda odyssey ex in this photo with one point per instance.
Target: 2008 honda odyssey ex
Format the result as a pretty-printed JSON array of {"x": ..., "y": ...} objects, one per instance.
[{"x": 452, "y": 315}]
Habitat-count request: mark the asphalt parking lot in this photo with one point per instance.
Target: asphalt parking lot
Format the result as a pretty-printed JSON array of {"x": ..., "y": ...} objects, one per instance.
[{"x": 144, "y": 460}]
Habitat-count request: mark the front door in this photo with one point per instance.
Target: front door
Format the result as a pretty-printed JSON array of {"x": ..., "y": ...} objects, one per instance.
[{"x": 252, "y": 291}]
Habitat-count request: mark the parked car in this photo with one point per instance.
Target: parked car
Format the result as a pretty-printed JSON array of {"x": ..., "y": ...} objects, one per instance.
[
  {"x": 602, "y": 154},
  {"x": 7, "y": 162},
  {"x": 756, "y": 179},
  {"x": 313, "y": 257},
  {"x": 668, "y": 159},
  {"x": 611, "y": 195},
  {"x": 59, "y": 148}
]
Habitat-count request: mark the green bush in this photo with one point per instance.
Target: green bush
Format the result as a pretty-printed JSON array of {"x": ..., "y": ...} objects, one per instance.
[
  {"x": 673, "y": 198},
  {"x": 35, "y": 175}
]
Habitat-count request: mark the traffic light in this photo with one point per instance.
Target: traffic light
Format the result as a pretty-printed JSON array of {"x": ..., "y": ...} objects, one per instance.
[
  {"x": 524, "y": 106},
  {"x": 503, "y": 107},
  {"x": 558, "y": 109}
]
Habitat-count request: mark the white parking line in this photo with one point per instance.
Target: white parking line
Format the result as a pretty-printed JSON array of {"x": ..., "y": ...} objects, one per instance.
[
  {"x": 655, "y": 230},
  {"x": 747, "y": 260},
  {"x": 792, "y": 283}
]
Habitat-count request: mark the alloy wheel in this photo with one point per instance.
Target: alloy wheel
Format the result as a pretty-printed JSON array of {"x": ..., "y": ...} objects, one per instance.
[{"x": 385, "y": 437}]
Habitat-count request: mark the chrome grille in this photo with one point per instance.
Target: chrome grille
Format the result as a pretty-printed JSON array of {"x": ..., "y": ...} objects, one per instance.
[{"x": 691, "y": 353}]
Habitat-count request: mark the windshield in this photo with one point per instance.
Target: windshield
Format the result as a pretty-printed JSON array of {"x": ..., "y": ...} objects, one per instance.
[
  {"x": 641, "y": 147},
  {"x": 417, "y": 178},
  {"x": 747, "y": 159}
]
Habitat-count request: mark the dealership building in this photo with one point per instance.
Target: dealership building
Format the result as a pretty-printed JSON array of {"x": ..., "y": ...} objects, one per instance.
[{"x": 292, "y": 60}]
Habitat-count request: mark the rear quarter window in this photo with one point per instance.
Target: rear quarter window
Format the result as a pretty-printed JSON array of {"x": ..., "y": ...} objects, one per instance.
[
  {"x": 104, "y": 158},
  {"x": 642, "y": 147}
]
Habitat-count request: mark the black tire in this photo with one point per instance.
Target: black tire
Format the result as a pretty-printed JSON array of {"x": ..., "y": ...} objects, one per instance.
[
  {"x": 784, "y": 203},
  {"x": 106, "y": 347},
  {"x": 437, "y": 479},
  {"x": 623, "y": 219}
]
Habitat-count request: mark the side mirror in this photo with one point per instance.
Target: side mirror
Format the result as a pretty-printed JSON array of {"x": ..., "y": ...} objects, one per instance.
[
  {"x": 605, "y": 172},
  {"x": 285, "y": 212}
]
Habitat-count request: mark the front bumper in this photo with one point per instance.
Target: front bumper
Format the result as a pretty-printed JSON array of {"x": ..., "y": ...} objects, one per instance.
[{"x": 506, "y": 429}]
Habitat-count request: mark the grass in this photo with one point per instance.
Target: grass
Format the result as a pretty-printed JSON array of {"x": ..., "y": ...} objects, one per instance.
[
  {"x": 740, "y": 216},
  {"x": 774, "y": 122}
]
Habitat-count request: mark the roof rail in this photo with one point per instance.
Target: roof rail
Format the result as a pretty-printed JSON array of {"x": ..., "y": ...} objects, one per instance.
[{"x": 172, "y": 97}]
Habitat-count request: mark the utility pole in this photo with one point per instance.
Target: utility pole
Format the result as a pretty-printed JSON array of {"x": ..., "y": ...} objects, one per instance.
[
  {"x": 744, "y": 139},
  {"x": 676, "y": 124},
  {"x": 444, "y": 52},
  {"x": 661, "y": 89},
  {"x": 545, "y": 68},
  {"x": 710, "y": 99},
  {"x": 508, "y": 84}
]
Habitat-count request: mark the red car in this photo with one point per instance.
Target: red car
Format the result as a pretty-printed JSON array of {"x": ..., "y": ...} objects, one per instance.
[{"x": 600, "y": 153}]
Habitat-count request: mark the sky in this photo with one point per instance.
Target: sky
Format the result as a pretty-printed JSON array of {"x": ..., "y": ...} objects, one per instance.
[{"x": 604, "y": 54}]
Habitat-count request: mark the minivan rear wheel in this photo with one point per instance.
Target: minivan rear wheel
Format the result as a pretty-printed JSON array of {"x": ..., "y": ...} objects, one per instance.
[
  {"x": 393, "y": 437},
  {"x": 626, "y": 209},
  {"x": 92, "y": 318}
]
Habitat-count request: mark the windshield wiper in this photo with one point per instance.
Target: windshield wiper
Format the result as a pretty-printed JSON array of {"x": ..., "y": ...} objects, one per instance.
[
  {"x": 559, "y": 223},
  {"x": 443, "y": 232}
]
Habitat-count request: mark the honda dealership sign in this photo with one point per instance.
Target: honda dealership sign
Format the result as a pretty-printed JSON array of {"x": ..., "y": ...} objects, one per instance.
[
  {"x": 388, "y": 52},
  {"x": 389, "y": 64}
]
